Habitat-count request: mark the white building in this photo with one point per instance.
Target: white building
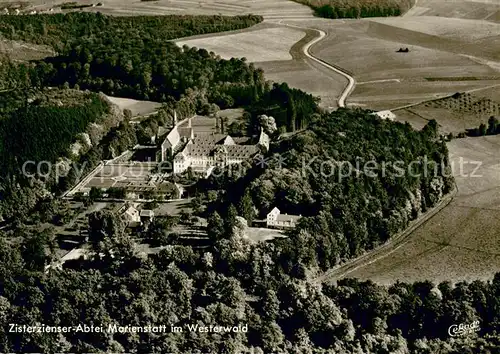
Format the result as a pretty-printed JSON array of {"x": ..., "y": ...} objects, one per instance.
[
  {"x": 386, "y": 115},
  {"x": 207, "y": 151},
  {"x": 276, "y": 219},
  {"x": 129, "y": 214},
  {"x": 175, "y": 138}
]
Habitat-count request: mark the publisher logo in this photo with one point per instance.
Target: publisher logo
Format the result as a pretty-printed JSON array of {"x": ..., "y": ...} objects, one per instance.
[{"x": 463, "y": 329}]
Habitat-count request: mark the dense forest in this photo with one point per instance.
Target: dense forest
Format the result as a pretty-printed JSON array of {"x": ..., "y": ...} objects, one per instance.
[
  {"x": 358, "y": 178},
  {"x": 43, "y": 133},
  {"x": 291, "y": 108},
  {"x": 262, "y": 287},
  {"x": 135, "y": 58},
  {"x": 235, "y": 283},
  {"x": 59, "y": 30},
  {"x": 358, "y": 8}
]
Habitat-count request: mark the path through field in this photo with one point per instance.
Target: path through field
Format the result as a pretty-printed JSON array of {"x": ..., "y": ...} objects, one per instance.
[
  {"x": 461, "y": 241},
  {"x": 306, "y": 51},
  {"x": 282, "y": 50}
]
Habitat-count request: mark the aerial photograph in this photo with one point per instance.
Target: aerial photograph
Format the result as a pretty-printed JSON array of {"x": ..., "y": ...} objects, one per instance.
[{"x": 250, "y": 176}]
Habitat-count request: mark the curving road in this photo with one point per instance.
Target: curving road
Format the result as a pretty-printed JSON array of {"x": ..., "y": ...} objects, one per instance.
[
  {"x": 396, "y": 241},
  {"x": 306, "y": 51}
]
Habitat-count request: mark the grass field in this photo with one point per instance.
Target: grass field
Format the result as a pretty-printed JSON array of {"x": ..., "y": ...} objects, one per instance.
[
  {"x": 453, "y": 114},
  {"x": 269, "y": 44},
  {"x": 459, "y": 29},
  {"x": 138, "y": 108},
  {"x": 462, "y": 241},
  {"x": 446, "y": 55},
  {"x": 267, "y": 8},
  {"x": 472, "y": 9},
  {"x": 17, "y": 50}
]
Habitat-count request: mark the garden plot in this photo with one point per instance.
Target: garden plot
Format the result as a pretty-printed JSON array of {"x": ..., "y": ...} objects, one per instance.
[{"x": 454, "y": 114}]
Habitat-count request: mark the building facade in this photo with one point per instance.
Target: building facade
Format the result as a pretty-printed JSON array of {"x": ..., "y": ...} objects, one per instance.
[{"x": 275, "y": 219}]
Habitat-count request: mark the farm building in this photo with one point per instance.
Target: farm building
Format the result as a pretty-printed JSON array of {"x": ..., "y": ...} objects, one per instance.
[
  {"x": 277, "y": 220},
  {"x": 131, "y": 215}
]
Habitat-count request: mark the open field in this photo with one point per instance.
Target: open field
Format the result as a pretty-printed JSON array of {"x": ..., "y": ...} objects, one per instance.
[
  {"x": 389, "y": 95},
  {"x": 449, "y": 28},
  {"x": 138, "y": 108},
  {"x": 462, "y": 241},
  {"x": 267, "y": 8},
  {"x": 453, "y": 114},
  {"x": 282, "y": 62},
  {"x": 470, "y": 9},
  {"x": 17, "y": 50},
  {"x": 257, "y": 46},
  {"x": 446, "y": 56}
]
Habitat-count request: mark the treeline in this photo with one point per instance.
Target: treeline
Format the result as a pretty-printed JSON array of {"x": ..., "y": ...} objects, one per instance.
[
  {"x": 492, "y": 128},
  {"x": 358, "y": 9},
  {"x": 135, "y": 59},
  {"x": 44, "y": 133},
  {"x": 59, "y": 29},
  {"x": 236, "y": 283},
  {"x": 36, "y": 141},
  {"x": 74, "y": 5},
  {"x": 358, "y": 180}
]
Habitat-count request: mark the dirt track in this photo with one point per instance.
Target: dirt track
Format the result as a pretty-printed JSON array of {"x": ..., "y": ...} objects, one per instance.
[
  {"x": 306, "y": 51},
  {"x": 386, "y": 249}
]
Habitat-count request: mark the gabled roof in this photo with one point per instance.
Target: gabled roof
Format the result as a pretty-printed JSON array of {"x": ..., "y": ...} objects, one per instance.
[
  {"x": 186, "y": 132},
  {"x": 172, "y": 138},
  {"x": 288, "y": 218},
  {"x": 209, "y": 139}
]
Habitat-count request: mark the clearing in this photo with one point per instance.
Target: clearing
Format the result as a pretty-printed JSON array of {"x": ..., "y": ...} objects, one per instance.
[
  {"x": 22, "y": 51},
  {"x": 138, "y": 108}
]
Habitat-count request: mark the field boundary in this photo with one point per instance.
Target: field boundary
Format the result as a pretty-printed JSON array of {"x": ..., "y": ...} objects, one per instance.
[
  {"x": 389, "y": 247},
  {"x": 440, "y": 98}
]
